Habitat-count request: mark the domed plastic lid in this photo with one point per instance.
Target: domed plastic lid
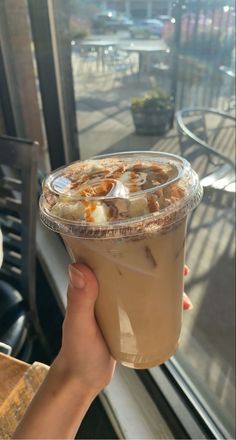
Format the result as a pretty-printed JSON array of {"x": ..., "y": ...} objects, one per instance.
[{"x": 119, "y": 195}]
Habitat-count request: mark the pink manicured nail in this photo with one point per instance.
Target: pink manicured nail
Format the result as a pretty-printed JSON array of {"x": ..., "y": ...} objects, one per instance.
[
  {"x": 187, "y": 305},
  {"x": 76, "y": 277},
  {"x": 186, "y": 270}
]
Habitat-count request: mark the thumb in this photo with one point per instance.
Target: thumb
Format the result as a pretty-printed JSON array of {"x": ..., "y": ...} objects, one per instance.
[{"x": 82, "y": 290}]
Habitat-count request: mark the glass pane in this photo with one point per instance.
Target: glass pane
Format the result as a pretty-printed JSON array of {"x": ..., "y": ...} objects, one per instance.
[
  {"x": 116, "y": 57},
  {"x": 125, "y": 50},
  {"x": 207, "y": 347}
]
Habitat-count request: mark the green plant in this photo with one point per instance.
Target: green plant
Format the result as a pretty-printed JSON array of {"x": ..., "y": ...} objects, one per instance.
[
  {"x": 155, "y": 100},
  {"x": 80, "y": 34}
]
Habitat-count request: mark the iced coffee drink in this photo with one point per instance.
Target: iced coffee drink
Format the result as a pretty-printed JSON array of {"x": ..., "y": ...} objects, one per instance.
[{"x": 125, "y": 216}]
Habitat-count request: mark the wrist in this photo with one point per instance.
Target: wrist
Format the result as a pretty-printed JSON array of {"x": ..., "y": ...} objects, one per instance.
[
  {"x": 70, "y": 380},
  {"x": 58, "y": 408}
]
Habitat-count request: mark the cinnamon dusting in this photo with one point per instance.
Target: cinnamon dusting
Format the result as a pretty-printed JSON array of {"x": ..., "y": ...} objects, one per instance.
[
  {"x": 91, "y": 179},
  {"x": 153, "y": 204}
]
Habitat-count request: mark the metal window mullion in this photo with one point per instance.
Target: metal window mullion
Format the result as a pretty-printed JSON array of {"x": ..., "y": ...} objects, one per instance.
[
  {"x": 60, "y": 25},
  {"x": 180, "y": 420},
  {"x": 40, "y": 26},
  {"x": 50, "y": 29},
  {"x": 58, "y": 76},
  {"x": 180, "y": 403},
  {"x": 176, "y": 52},
  {"x": 201, "y": 406}
]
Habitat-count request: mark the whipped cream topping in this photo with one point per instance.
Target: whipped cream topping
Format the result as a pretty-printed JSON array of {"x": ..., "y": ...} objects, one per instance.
[{"x": 112, "y": 189}]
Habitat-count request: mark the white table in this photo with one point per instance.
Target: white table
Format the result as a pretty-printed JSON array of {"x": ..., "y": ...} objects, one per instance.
[
  {"x": 99, "y": 46},
  {"x": 144, "y": 50}
]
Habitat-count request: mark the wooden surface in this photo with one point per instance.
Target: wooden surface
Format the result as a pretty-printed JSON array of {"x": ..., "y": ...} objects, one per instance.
[
  {"x": 18, "y": 384},
  {"x": 11, "y": 371}
]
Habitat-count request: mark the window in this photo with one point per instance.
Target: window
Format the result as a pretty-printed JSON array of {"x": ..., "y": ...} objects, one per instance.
[
  {"x": 116, "y": 62},
  {"x": 105, "y": 57}
]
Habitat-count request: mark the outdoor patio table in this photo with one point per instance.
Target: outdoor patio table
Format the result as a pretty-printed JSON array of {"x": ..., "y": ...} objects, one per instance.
[
  {"x": 99, "y": 46},
  {"x": 144, "y": 50}
]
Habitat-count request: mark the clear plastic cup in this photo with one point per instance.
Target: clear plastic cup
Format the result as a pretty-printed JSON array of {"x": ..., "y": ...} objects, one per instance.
[{"x": 125, "y": 216}]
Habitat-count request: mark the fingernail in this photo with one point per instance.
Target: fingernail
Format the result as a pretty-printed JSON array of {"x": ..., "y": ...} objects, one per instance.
[
  {"x": 187, "y": 304},
  {"x": 186, "y": 270},
  {"x": 76, "y": 277}
]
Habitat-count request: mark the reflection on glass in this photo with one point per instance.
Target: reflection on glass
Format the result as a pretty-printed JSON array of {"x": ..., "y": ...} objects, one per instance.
[{"x": 125, "y": 70}]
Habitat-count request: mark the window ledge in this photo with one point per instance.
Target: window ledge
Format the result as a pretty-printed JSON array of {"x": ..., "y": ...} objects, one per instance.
[{"x": 129, "y": 407}]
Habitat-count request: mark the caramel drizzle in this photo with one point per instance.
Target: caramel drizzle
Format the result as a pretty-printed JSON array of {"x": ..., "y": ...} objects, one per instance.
[
  {"x": 117, "y": 173},
  {"x": 89, "y": 208},
  {"x": 154, "y": 175},
  {"x": 101, "y": 182},
  {"x": 96, "y": 190}
]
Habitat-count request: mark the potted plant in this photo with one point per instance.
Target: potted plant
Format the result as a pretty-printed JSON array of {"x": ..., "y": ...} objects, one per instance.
[{"x": 153, "y": 112}]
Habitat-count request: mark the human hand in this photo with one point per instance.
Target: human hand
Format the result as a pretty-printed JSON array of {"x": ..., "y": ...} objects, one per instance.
[
  {"x": 187, "y": 304},
  {"x": 84, "y": 355},
  {"x": 81, "y": 370}
]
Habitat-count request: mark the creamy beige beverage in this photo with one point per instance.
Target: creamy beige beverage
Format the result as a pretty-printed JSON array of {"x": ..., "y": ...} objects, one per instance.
[
  {"x": 125, "y": 216},
  {"x": 140, "y": 301}
]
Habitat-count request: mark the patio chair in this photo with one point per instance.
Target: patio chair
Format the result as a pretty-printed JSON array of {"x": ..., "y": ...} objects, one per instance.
[
  {"x": 119, "y": 61},
  {"x": 162, "y": 61},
  {"x": 85, "y": 59},
  {"x": 161, "y": 67},
  {"x": 19, "y": 322},
  {"x": 201, "y": 140}
]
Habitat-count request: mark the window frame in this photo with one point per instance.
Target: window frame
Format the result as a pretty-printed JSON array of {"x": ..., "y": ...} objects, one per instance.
[
  {"x": 180, "y": 402},
  {"x": 53, "y": 67},
  {"x": 172, "y": 391}
]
